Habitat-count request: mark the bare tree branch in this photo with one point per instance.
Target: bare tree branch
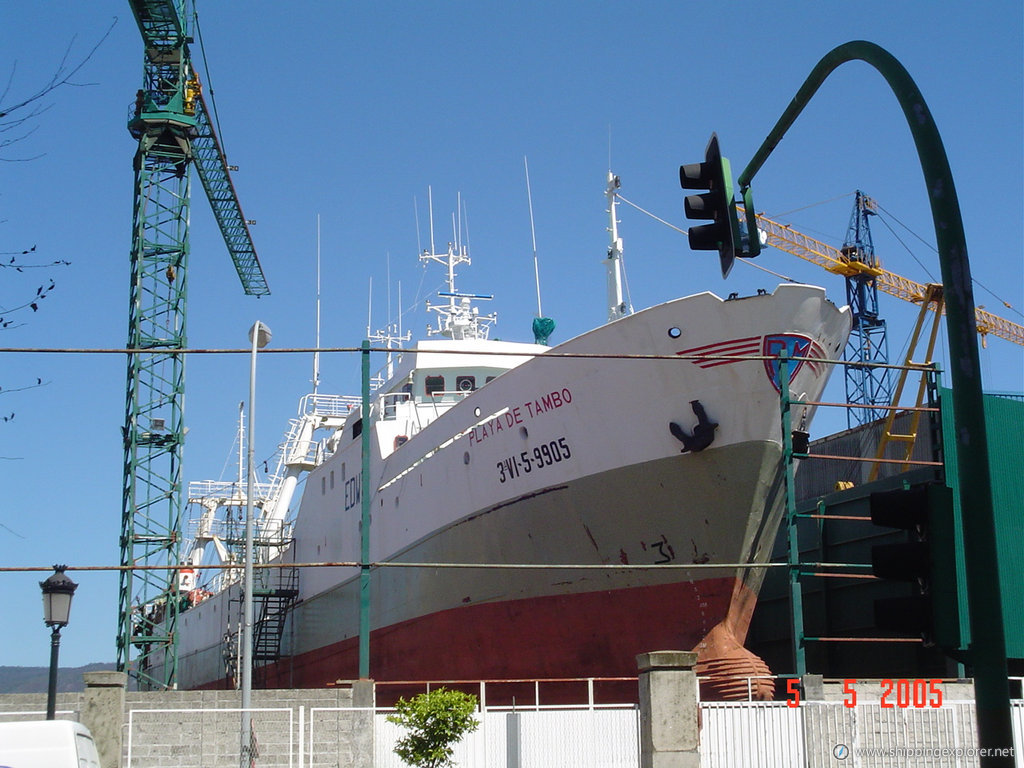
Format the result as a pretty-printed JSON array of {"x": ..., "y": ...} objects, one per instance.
[
  {"x": 63, "y": 76},
  {"x": 8, "y": 390},
  {"x": 16, "y": 124}
]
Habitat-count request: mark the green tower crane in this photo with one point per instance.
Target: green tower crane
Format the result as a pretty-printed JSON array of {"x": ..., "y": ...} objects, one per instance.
[{"x": 172, "y": 124}]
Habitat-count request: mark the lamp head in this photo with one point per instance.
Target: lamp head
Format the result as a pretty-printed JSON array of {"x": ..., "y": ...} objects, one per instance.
[
  {"x": 259, "y": 334},
  {"x": 58, "y": 590}
]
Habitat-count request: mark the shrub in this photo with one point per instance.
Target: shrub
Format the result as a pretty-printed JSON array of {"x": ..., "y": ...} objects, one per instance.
[{"x": 435, "y": 721}]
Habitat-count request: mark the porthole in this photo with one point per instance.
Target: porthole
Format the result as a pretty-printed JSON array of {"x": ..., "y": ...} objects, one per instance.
[
  {"x": 524, "y": 433},
  {"x": 674, "y": 332},
  {"x": 465, "y": 458},
  {"x": 476, "y": 411}
]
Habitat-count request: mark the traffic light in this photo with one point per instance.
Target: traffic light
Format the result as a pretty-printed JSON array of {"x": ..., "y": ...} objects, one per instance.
[
  {"x": 717, "y": 205},
  {"x": 928, "y": 559}
]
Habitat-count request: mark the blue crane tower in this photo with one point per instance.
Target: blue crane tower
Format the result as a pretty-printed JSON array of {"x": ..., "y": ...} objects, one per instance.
[
  {"x": 868, "y": 345},
  {"x": 171, "y": 122}
]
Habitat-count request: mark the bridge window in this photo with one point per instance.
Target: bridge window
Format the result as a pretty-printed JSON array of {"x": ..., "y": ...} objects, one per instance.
[
  {"x": 434, "y": 385},
  {"x": 465, "y": 383}
]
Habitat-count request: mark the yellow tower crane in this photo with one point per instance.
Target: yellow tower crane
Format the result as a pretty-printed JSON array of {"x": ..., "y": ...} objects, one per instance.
[{"x": 928, "y": 296}]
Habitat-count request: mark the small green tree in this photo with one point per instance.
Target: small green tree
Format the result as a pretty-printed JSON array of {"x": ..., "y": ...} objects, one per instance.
[{"x": 435, "y": 721}]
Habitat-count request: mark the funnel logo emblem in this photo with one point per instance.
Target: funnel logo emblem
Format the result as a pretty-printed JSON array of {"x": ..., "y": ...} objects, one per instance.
[{"x": 795, "y": 346}]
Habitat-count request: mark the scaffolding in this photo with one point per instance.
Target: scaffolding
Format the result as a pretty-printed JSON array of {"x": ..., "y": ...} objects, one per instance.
[{"x": 849, "y": 502}]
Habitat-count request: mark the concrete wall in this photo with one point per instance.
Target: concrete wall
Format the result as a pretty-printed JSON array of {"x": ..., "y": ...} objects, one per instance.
[
  {"x": 205, "y": 726},
  {"x": 345, "y": 738}
]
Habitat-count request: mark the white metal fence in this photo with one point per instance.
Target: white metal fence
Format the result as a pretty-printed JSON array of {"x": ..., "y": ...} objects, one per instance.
[
  {"x": 733, "y": 735},
  {"x": 60, "y": 714},
  {"x": 751, "y": 735},
  {"x": 769, "y": 734},
  {"x": 546, "y": 738}
]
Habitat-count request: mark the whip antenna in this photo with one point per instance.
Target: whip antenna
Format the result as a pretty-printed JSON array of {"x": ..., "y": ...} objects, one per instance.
[{"x": 533, "y": 235}]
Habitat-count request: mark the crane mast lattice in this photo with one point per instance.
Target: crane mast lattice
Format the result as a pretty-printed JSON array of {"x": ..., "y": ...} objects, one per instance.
[
  {"x": 172, "y": 125},
  {"x": 867, "y": 384}
]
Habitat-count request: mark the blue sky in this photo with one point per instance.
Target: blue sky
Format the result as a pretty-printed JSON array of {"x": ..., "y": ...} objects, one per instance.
[{"x": 350, "y": 110}]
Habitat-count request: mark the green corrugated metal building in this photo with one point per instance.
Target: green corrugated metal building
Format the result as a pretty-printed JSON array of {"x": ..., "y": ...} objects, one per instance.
[
  {"x": 836, "y": 607},
  {"x": 1004, "y": 425}
]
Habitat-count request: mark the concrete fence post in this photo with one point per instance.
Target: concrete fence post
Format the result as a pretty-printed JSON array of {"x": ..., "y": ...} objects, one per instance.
[
  {"x": 364, "y": 694},
  {"x": 669, "y": 710},
  {"x": 103, "y": 713}
]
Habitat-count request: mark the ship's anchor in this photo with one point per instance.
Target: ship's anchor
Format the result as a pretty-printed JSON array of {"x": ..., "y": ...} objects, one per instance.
[{"x": 703, "y": 433}]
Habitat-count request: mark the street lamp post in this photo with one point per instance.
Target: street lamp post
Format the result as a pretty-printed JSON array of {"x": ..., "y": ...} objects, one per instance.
[
  {"x": 58, "y": 590},
  {"x": 259, "y": 335}
]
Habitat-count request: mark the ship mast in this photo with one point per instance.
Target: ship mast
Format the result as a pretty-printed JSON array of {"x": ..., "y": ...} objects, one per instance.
[
  {"x": 316, "y": 354},
  {"x": 617, "y": 308},
  {"x": 459, "y": 318}
]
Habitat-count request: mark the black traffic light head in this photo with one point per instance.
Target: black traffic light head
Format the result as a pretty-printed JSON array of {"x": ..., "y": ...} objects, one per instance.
[
  {"x": 929, "y": 559},
  {"x": 912, "y": 613},
  {"x": 901, "y": 508},
  {"x": 716, "y": 205}
]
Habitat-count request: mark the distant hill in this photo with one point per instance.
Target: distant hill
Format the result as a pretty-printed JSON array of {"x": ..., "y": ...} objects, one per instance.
[{"x": 37, "y": 679}]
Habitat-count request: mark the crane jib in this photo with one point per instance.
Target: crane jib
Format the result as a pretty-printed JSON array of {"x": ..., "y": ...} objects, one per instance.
[
  {"x": 787, "y": 239},
  {"x": 213, "y": 172}
]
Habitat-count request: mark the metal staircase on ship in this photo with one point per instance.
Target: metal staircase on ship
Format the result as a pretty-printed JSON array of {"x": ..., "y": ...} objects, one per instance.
[
  {"x": 274, "y": 592},
  {"x": 220, "y": 526}
]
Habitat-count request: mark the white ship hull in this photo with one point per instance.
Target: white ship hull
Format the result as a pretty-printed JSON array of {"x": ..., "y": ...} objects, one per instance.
[{"x": 559, "y": 460}]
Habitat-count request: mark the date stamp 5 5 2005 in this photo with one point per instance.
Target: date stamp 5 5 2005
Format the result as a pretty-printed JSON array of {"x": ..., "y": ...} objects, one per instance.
[{"x": 892, "y": 694}]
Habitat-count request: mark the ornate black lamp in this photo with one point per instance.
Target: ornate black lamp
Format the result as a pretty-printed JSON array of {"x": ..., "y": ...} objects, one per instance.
[{"x": 57, "y": 593}]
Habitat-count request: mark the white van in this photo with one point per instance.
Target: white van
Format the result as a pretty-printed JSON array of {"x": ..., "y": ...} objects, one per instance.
[{"x": 47, "y": 744}]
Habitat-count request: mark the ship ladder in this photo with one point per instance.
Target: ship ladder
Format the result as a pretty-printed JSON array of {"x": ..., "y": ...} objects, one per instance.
[{"x": 271, "y": 607}]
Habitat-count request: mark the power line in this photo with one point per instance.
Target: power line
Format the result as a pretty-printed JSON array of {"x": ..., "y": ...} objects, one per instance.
[{"x": 387, "y": 564}]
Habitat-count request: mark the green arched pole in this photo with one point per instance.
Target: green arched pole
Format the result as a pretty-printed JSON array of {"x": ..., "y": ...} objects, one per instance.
[{"x": 988, "y": 641}]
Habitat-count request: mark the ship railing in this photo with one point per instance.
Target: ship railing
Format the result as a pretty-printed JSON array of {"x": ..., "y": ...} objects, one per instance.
[
  {"x": 292, "y": 450},
  {"x": 274, "y": 533},
  {"x": 225, "y": 493},
  {"x": 328, "y": 405},
  {"x": 388, "y": 404},
  {"x": 268, "y": 533},
  {"x": 591, "y": 692},
  {"x": 316, "y": 452},
  {"x": 537, "y": 694},
  {"x": 564, "y": 692},
  {"x": 446, "y": 398}
]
